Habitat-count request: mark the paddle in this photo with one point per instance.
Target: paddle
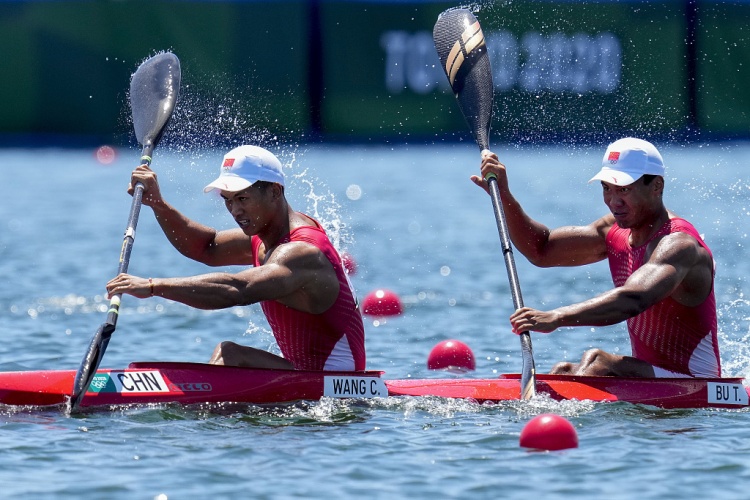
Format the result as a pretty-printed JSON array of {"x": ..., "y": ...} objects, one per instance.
[
  {"x": 459, "y": 42},
  {"x": 153, "y": 94}
]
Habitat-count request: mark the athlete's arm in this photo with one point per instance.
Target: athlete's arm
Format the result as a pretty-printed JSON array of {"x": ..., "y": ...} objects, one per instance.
[
  {"x": 296, "y": 274},
  {"x": 192, "y": 239},
  {"x": 661, "y": 276},
  {"x": 564, "y": 246}
]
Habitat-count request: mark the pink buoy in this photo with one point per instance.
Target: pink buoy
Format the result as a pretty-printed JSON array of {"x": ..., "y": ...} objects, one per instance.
[
  {"x": 105, "y": 155},
  {"x": 350, "y": 265},
  {"x": 451, "y": 355},
  {"x": 382, "y": 303},
  {"x": 549, "y": 432}
]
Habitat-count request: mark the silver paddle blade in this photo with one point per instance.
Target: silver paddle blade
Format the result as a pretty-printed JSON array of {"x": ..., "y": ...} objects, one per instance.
[{"x": 153, "y": 94}]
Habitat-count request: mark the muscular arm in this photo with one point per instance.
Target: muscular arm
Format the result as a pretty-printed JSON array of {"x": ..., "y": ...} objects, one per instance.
[
  {"x": 202, "y": 243},
  {"x": 296, "y": 274},
  {"x": 663, "y": 275},
  {"x": 564, "y": 246},
  {"x": 192, "y": 239}
]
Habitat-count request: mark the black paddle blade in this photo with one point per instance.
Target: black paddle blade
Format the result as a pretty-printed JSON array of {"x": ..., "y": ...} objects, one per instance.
[
  {"x": 90, "y": 363},
  {"x": 459, "y": 42},
  {"x": 153, "y": 93}
]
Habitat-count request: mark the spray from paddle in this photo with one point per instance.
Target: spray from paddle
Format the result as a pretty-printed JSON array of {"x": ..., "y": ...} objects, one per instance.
[
  {"x": 219, "y": 111},
  {"x": 460, "y": 44}
]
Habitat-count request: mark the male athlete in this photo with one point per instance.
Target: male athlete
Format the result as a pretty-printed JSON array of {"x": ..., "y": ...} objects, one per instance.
[
  {"x": 662, "y": 269},
  {"x": 296, "y": 274}
]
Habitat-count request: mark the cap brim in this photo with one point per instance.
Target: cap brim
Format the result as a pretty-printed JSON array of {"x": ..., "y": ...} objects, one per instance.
[
  {"x": 231, "y": 183},
  {"x": 616, "y": 177}
]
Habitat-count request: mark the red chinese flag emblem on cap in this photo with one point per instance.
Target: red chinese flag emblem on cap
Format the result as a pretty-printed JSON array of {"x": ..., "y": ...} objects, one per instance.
[
  {"x": 614, "y": 156},
  {"x": 228, "y": 162}
]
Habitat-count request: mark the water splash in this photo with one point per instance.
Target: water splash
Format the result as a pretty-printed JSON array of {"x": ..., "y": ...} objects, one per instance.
[
  {"x": 323, "y": 206},
  {"x": 262, "y": 337},
  {"x": 734, "y": 336}
]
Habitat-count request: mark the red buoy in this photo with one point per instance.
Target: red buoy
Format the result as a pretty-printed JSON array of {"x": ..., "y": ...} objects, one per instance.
[
  {"x": 549, "y": 432},
  {"x": 350, "y": 265},
  {"x": 105, "y": 155},
  {"x": 382, "y": 303},
  {"x": 451, "y": 355}
]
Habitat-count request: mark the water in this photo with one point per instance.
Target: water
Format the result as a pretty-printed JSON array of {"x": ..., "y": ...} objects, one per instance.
[{"x": 416, "y": 225}]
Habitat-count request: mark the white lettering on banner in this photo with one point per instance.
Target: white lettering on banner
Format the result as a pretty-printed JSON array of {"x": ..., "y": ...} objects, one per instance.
[
  {"x": 728, "y": 394},
  {"x": 555, "y": 62},
  {"x": 411, "y": 62},
  {"x": 580, "y": 63},
  {"x": 141, "y": 381},
  {"x": 336, "y": 386}
]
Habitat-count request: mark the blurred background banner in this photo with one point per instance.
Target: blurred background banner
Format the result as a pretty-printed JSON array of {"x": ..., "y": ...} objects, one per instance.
[{"x": 367, "y": 70}]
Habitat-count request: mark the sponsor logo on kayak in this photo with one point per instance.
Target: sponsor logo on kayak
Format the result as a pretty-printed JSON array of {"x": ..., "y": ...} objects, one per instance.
[
  {"x": 727, "y": 394},
  {"x": 337, "y": 386},
  {"x": 129, "y": 382},
  {"x": 192, "y": 387}
]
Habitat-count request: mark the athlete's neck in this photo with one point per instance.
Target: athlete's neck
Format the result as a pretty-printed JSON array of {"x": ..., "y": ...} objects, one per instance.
[
  {"x": 644, "y": 232},
  {"x": 281, "y": 225}
]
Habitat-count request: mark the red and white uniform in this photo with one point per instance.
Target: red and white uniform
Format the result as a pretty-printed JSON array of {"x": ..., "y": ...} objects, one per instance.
[
  {"x": 668, "y": 335},
  {"x": 333, "y": 340}
]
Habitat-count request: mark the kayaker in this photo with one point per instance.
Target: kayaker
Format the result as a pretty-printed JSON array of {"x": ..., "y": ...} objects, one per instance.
[
  {"x": 296, "y": 275},
  {"x": 662, "y": 269}
]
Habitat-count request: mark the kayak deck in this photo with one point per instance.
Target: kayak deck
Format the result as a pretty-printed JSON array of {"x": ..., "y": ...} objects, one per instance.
[{"x": 193, "y": 383}]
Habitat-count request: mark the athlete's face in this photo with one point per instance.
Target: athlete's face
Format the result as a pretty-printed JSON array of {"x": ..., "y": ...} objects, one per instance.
[
  {"x": 632, "y": 205},
  {"x": 250, "y": 207}
]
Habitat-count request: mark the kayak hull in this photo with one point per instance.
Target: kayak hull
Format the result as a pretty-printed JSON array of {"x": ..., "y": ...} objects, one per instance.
[
  {"x": 186, "y": 383},
  {"x": 661, "y": 392},
  {"x": 195, "y": 383}
]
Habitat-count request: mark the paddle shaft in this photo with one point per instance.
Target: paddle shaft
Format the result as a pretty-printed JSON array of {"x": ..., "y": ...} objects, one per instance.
[
  {"x": 528, "y": 371},
  {"x": 100, "y": 340},
  {"x": 129, "y": 239}
]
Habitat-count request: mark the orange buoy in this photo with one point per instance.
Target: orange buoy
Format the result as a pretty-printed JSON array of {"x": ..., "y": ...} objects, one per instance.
[
  {"x": 549, "y": 432},
  {"x": 350, "y": 265},
  {"x": 452, "y": 355},
  {"x": 382, "y": 303}
]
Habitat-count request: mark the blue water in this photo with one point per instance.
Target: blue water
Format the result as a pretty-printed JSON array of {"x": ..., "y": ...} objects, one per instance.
[{"x": 414, "y": 224}]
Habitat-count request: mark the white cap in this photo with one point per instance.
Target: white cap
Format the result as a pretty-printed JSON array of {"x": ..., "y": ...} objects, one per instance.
[
  {"x": 245, "y": 165},
  {"x": 627, "y": 160}
]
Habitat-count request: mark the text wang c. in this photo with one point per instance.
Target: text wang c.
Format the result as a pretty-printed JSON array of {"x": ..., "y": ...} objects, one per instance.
[{"x": 354, "y": 387}]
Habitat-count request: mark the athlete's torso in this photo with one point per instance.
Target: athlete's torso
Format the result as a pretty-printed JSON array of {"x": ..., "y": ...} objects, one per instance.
[
  {"x": 669, "y": 335},
  {"x": 308, "y": 340}
]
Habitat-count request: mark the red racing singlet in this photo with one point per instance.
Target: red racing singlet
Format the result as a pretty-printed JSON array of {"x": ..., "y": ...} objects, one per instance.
[
  {"x": 668, "y": 335},
  {"x": 307, "y": 340}
]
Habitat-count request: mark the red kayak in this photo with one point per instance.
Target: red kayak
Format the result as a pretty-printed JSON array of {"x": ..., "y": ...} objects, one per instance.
[
  {"x": 187, "y": 383},
  {"x": 192, "y": 383}
]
